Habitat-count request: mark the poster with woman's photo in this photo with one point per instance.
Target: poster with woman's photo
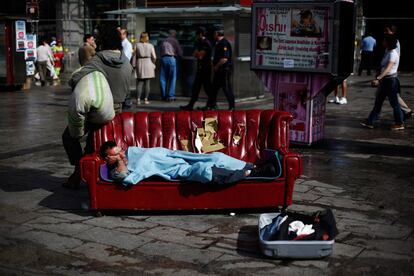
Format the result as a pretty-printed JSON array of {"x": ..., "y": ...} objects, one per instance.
[
  {"x": 307, "y": 22},
  {"x": 292, "y": 38}
]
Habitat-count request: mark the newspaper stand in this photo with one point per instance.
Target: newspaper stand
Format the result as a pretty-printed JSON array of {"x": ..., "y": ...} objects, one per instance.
[{"x": 302, "y": 50}]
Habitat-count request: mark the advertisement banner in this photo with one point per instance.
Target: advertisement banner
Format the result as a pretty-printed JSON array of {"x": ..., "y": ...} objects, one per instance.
[
  {"x": 30, "y": 52},
  {"x": 291, "y": 38},
  {"x": 20, "y": 35}
]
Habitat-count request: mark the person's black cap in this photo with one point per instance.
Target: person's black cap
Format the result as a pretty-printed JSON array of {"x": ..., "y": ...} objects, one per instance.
[{"x": 219, "y": 31}]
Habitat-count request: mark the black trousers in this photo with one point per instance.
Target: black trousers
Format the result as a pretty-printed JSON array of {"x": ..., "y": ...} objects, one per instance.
[
  {"x": 202, "y": 79},
  {"x": 223, "y": 176},
  {"x": 222, "y": 79},
  {"x": 73, "y": 146},
  {"x": 367, "y": 59}
]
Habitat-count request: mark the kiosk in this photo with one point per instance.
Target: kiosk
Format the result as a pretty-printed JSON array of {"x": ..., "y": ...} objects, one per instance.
[
  {"x": 12, "y": 51},
  {"x": 302, "y": 50}
]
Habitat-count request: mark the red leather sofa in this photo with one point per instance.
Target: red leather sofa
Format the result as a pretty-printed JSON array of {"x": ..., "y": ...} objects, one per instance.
[{"x": 257, "y": 130}]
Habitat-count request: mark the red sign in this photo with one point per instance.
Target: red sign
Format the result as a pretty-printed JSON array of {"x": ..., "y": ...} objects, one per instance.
[{"x": 245, "y": 2}]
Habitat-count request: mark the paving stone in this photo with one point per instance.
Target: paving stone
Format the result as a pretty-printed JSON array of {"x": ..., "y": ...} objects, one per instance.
[
  {"x": 175, "y": 235},
  {"x": 104, "y": 253},
  {"x": 362, "y": 217},
  {"x": 302, "y": 188},
  {"x": 113, "y": 237},
  {"x": 5, "y": 241},
  {"x": 305, "y": 197},
  {"x": 171, "y": 271},
  {"x": 179, "y": 252},
  {"x": 75, "y": 271},
  {"x": 186, "y": 222},
  {"x": 17, "y": 217},
  {"x": 343, "y": 235},
  {"x": 52, "y": 241},
  {"x": 322, "y": 191},
  {"x": 391, "y": 246},
  {"x": 304, "y": 208},
  {"x": 316, "y": 183},
  {"x": 278, "y": 270},
  {"x": 78, "y": 217},
  {"x": 323, "y": 265},
  {"x": 112, "y": 222},
  {"x": 385, "y": 255},
  {"x": 375, "y": 230},
  {"x": 25, "y": 200},
  {"x": 340, "y": 202},
  {"x": 247, "y": 264},
  {"x": 58, "y": 225},
  {"x": 344, "y": 250},
  {"x": 241, "y": 256}
]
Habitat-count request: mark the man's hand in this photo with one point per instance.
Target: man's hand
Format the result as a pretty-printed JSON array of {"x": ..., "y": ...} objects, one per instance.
[{"x": 374, "y": 83}]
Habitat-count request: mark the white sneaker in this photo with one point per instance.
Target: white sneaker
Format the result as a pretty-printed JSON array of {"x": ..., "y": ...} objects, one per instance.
[
  {"x": 342, "y": 101},
  {"x": 334, "y": 100}
]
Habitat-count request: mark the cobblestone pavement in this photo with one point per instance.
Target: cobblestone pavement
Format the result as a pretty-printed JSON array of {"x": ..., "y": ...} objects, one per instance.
[{"x": 366, "y": 176}]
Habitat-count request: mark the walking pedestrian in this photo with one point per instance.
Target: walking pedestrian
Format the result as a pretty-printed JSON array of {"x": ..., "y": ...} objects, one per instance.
[
  {"x": 202, "y": 52},
  {"x": 222, "y": 67},
  {"x": 43, "y": 58},
  {"x": 58, "y": 55},
  {"x": 387, "y": 82},
  {"x": 144, "y": 63},
  {"x": 367, "y": 54},
  {"x": 392, "y": 30},
  {"x": 169, "y": 50},
  {"x": 87, "y": 50}
]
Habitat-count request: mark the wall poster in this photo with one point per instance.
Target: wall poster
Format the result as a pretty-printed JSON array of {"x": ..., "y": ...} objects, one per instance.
[
  {"x": 20, "y": 35},
  {"x": 289, "y": 37}
]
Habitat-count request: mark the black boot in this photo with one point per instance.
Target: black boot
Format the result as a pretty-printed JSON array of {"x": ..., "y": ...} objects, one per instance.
[{"x": 264, "y": 170}]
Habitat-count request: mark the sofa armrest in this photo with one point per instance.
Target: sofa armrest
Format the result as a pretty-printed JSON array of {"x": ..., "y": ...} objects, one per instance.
[
  {"x": 292, "y": 171},
  {"x": 89, "y": 169}
]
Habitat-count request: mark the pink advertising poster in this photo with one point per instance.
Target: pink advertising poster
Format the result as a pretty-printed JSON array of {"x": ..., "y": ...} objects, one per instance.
[
  {"x": 291, "y": 38},
  {"x": 20, "y": 35}
]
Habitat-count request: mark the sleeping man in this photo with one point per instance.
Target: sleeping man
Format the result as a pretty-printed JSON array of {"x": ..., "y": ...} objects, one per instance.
[{"x": 136, "y": 164}]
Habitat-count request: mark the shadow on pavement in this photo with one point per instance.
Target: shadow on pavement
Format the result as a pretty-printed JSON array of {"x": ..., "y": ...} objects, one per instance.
[
  {"x": 361, "y": 147},
  {"x": 51, "y": 193}
]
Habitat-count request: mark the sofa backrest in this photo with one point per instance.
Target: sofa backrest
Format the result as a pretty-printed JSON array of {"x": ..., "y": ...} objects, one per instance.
[{"x": 244, "y": 133}]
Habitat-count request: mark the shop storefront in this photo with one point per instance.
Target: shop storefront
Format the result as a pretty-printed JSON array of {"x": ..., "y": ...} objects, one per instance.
[{"x": 236, "y": 22}]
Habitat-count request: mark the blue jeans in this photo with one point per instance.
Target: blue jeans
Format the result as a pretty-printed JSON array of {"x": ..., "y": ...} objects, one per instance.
[
  {"x": 168, "y": 76},
  {"x": 388, "y": 87}
]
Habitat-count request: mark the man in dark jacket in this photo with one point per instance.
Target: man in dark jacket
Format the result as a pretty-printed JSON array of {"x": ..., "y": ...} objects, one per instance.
[
  {"x": 222, "y": 67},
  {"x": 202, "y": 52}
]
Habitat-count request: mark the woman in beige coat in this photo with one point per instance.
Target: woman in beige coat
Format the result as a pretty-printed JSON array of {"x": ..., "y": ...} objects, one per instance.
[{"x": 144, "y": 63}]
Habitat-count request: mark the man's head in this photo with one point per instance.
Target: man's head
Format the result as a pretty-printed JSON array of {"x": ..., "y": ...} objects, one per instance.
[
  {"x": 172, "y": 33},
  {"x": 390, "y": 30},
  {"x": 390, "y": 42},
  {"x": 218, "y": 34},
  {"x": 111, "y": 153},
  {"x": 110, "y": 38},
  {"x": 124, "y": 33},
  {"x": 200, "y": 32},
  {"x": 90, "y": 39}
]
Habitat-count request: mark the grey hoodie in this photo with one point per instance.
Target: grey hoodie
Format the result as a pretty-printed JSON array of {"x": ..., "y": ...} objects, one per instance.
[{"x": 114, "y": 66}]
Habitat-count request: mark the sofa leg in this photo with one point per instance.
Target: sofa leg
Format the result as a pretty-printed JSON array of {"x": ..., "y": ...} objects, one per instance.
[{"x": 99, "y": 214}]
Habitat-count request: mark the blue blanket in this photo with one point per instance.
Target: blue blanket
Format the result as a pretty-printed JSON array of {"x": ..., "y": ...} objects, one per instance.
[{"x": 174, "y": 164}]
